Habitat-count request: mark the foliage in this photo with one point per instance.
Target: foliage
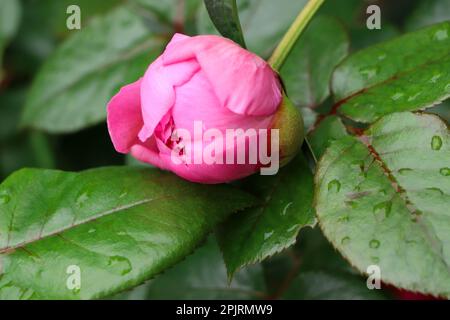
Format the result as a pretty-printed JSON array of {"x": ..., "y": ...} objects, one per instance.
[{"x": 376, "y": 107}]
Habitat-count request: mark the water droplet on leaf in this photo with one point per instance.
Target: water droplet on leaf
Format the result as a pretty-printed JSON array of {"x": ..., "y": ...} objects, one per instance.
[
  {"x": 440, "y": 35},
  {"x": 121, "y": 264},
  {"x": 436, "y": 143},
  {"x": 445, "y": 171},
  {"x": 267, "y": 235},
  {"x": 397, "y": 96},
  {"x": 374, "y": 243},
  {"x": 4, "y": 198},
  {"x": 369, "y": 73},
  {"x": 382, "y": 210},
  {"x": 375, "y": 259},
  {"x": 334, "y": 185},
  {"x": 345, "y": 240},
  {"x": 403, "y": 171},
  {"x": 437, "y": 190}
]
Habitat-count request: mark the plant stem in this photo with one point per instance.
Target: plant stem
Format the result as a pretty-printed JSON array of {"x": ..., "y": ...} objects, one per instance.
[{"x": 290, "y": 38}]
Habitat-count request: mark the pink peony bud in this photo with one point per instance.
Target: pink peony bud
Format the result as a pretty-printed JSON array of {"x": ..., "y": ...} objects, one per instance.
[{"x": 178, "y": 116}]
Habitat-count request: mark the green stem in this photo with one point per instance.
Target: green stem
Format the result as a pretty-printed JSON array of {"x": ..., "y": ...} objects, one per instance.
[{"x": 290, "y": 38}]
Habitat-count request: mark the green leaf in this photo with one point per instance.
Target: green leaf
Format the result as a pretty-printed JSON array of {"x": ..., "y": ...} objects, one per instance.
[
  {"x": 403, "y": 74},
  {"x": 224, "y": 14},
  {"x": 257, "y": 233},
  {"x": 307, "y": 71},
  {"x": 72, "y": 89},
  {"x": 203, "y": 276},
  {"x": 429, "y": 12},
  {"x": 382, "y": 198},
  {"x": 119, "y": 225},
  {"x": 328, "y": 130},
  {"x": 263, "y": 22}
]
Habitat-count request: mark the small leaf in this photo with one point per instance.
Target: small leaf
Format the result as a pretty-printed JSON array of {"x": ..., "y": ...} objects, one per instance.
[
  {"x": 382, "y": 198},
  {"x": 119, "y": 225},
  {"x": 225, "y": 16},
  {"x": 257, "y": 233},
  {"x": 403, "y": 74},
  {"x": 71, "y": 90},
  {"x": 264, "y": 22},
  {"x": 203, "y": 276},
  {"x": 308, "y": 68}
]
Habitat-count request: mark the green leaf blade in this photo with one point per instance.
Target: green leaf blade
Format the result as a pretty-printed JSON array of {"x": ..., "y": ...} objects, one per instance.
[
  {"x": 381, "y": 199},
  {"x": 403, "y": 74},
  {"x": 121, "y": 226},
  {"x": 224, "y": 14},
  {"x": 257, "y": 233}
]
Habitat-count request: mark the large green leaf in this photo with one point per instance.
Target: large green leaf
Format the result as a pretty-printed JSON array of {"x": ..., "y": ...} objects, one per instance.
[
  {"x": 203, "y": 276},
  {"x": 404, "y": 74},
  {"x": 257, "y": 233},
  {"x": 307, "y": 71},
  {"x": 225, "y": 16},
  {"x": 72, "y": 89},
  {"x": 263, "y": 22},
  {"x": 119, "y": 225},
  {"x": 382, "y": 198}
]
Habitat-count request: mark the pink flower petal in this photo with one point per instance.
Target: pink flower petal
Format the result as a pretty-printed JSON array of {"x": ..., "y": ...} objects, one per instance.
[{"x": 124, "y": 117}]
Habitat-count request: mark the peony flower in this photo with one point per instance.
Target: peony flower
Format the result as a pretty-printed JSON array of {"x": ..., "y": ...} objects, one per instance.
[{"x": 181, "y": 114}]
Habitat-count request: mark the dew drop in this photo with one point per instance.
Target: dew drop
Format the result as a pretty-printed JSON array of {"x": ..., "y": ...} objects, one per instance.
[
  {"x": 82, "y": 199},
  {"x": 413, "y": 97},
  {"x": 369, "y": 73},
  {"x": 374, "y": 244},
  {"x": 359, "y": 164},
  {"x": 121, "y": 264},
  {"x": 4, "y": 198},
  {"x": 403, "y": 171},
  {"x": 334, "y": 185},
  {"x": 283, "y": 213},
  {"x": 345, "y": 240},
  {"x": 435, "y": 78},
  {"x": 382, "y": 210},
  {"x": 437, "y": 190},
  {"x": 267, "y": 235},
  {"x": 344, "y": 218},
  {"x": 436, "y": 143},
  {"x": 445, "y": 172},
  {"x": 440, "y": 35},
  {"x": 121, "y": 233},
  {"x": 295, "y": 226},
  {"x": 397, "y": 96},
  {"x": 375, "y": 259},
  {"x": 382, "y": 56},
  {"x": 91, "y": 230}
]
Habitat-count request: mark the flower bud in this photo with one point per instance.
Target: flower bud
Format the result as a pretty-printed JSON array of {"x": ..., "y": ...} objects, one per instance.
[{"x": 207, "y": 110}]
